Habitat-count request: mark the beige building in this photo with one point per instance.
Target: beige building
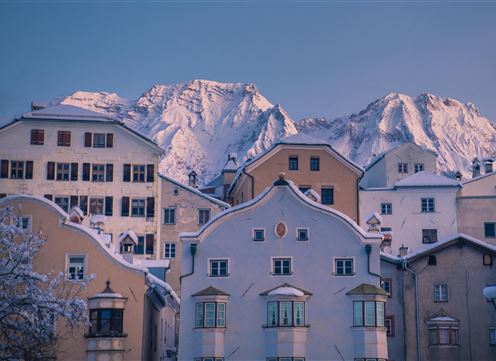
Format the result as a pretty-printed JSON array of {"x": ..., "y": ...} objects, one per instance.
[
  {"x": 184, "y": 209},
  {"x": 311, "y": 164},
  {"x": 141, "y": 309},
  {"x": 476, "y": 207},
  {"x": 446, "y": 316},
  {"x": 77, "y": 157}
]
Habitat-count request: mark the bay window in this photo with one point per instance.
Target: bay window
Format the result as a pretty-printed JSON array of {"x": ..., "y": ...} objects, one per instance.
[
  {"x": 286, "y": 314},
  {"x": 210, "y": 314},
  {"x": 368, "y": 313}
]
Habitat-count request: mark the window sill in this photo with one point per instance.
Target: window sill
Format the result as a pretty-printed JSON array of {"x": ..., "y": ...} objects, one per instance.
[
  {"x": 441, "y": 301},
  {"x": 210, "y": 328},
  {"x": 105, "y": 335},
  {"x": 281, "y": 274},
  {"x": 344, "y": 275},
  {"x": 444, "y": 346},
  {"x": 285, "y": 327},
  {"x": 219, "y": 276}
]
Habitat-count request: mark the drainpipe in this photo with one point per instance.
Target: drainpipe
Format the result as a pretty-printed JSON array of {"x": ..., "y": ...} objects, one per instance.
[
  {"x": 417, "y": 321},
  {"x": 358, "y": 198},
  {"x": 192, "y": 250},
  {"x": 368, "y": 250},
  {"x": 252, "y": 183}
]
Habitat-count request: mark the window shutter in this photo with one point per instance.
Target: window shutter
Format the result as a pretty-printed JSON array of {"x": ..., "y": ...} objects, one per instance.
[
  {"x": 50, "y": 171},
  {"x": 126, "y": 177},
  {"x": 48, "y": 196},
  {"x": 73, "y": 202},
  {"x": 5, "y": 169},
  {"x": 74, "y": 171},
  {"x": 149, "y": 243},
  {"x": 108, "y": 205},
  {"x": 29, "y": 169},
  {"x": 110, "y": 140},
  {"x": 86, "y": 171},
  {"x": 125, "y": 207},
  {"x": 87, "y": 139},
  {"x": 150, "y": 207},
  {"x": 83, "y": 204},
  {"x": 109, "y": 176},
  {"x": 150, "y": 170}
]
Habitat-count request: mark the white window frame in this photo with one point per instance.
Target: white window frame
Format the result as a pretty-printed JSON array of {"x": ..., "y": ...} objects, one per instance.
[
  {"x": 254, "y": 232},
  {"x": 219, "y": 259},
  {"x": 131, "y": 207},
  {"x": 68, "y": 264},
  {"x": 417, "y": 166},
  {"x": 172, "y": 250},
  {"x": 198, "y": 215},
  {"x": 169, "y": 209},
  {"x": 334, "y": 266},
  {"x": 438, "y": 286},
  {"x": 402, "y": 168},
  {"x": 272, "y": 266},
  {"x": 298, "y": 229},
  {"x": 386, "y": 208},
  {"x": 429, "y": 206}
]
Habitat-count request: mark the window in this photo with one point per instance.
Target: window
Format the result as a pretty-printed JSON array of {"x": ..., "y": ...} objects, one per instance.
[
  {"x": 492, "y": 336},
  {"x": 138, "y": 173},
  {"x": 17, "y": 169},
  {"x": 170, "y": 250},
  {"x": 489, "y": 230},
  {"x": 138, "y": 207},
  {"x": 63, "y": 171},
  {"x": 314, "y": 164},
  {"x": 37, "y": 136},
  {"x": 386, "y": 208},
  {"x": 343, "y": 267},
  {"x": 149, "y": 243},
  {"x": 64, "y": 138},
  {"x": 219, "y": 268},
  {"x": 209, "y": 358},
  {"x": 106, "y": 322},
  {"x": 259, "y": 234},
  {"x": 140, "y": 247},
  {"x": 441, "y": 292},
  {"x": 203, "y": 216},
  {"x": 402, "y": 167},
  {"x": 285, "y": 359},
  {"x": 419, "y": 167},
  {"x": 368, "y": 313},
  {"x": 62, "y": 202},
  {"x": 302, "y": 234},
  {"x": 281, "y": 266},
  {"x": 24, "y": 222},
  {"x": 387, "y": 286},
  {"x": 293, "y": 162},
  {"x": 96, "y": 206},
  {"x": 75, "y": 268},
  {"x": 98, "y": 140},
  {"x": 327, "y": 195},
  {"x": 285, "y": 314},
  {"x": 487, "y": 259},
  {"x": 98, "y": 173},
  {"x": 443, "y": 335},
  {"x": 389, "y": 323},
  {"x": 429, "y": 235},
  {"x": 210, "y": 314},
  {"x": 427, "y": 205},
  {"x": 169, "y": 216}
]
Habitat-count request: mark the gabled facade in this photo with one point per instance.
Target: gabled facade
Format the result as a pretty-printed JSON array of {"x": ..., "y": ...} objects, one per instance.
[
  {"x": 310, "y": 164},
  {"x": 76, "y": 157},
  {"x": 281, "y": 277},
  {"x": 476, "y": 207},
  {"x": 183, "y": 209},
  {"x": 142, "y": 309},
  {"x": 398, "y": 163},
  {"x": 417, "y": 210}
]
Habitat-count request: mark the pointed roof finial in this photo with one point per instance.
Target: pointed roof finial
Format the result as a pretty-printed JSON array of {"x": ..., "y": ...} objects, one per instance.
[{"x": 108, "y": 289}]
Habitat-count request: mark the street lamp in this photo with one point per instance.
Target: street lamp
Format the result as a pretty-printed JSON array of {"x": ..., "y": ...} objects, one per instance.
[{"x": 490, "y": 293}]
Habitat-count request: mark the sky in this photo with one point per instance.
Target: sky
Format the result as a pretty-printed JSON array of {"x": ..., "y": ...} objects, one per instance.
[{"x": 316, "y": 58}]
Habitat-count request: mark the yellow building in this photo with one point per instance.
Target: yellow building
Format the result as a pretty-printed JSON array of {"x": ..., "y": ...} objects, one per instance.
[{"x": 141, "y": 309}]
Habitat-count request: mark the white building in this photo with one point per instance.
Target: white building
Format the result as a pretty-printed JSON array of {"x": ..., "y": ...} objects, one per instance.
[
  {"x": 281, "y": 278},
  {"x": 77, "y": 157},
  {"x": 416, "y": 210}
]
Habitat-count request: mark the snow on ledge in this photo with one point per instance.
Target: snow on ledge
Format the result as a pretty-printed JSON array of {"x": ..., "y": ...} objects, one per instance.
[{"x": 286, "y": 291}]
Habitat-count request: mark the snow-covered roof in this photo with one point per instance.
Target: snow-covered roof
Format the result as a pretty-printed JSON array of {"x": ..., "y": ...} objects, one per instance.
[
  {"x": 312, "y": 193},
  {"x": 286, "y": 290},
  {"x": 195, "y": 191},
  {"x": 153, "y": 263},
  {"x": 98, "y": 218},
  {"x": 230, "y": 165},
  {"x": 427, "y": 179},
  {"x": 129, "y": 233},
  {"x": 166, "y": 288},
  {"x": 78, "y": 211},
  {"x": 478, "y": 178},
  {"x": 295, "y": 191},
  {"x": 303, "y": 139},
  {"x": 66, "y": 112}
]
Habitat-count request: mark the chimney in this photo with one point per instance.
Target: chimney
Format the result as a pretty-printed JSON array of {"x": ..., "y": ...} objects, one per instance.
[
  {"x": 475, "y": 168},
  {"x": 488, "y": 166},
  {"x": 233, "y": 157},
  {"x": 403, "y": 250},
  {"x": 192, "y": 179},
  {"x": 76, "y": 215},
  {"x": 36, "y": 105},
  {"x": 458, "y": 176}
]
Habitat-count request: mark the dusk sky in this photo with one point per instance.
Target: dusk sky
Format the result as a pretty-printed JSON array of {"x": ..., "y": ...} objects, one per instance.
[{"x": 321, "y": 58}]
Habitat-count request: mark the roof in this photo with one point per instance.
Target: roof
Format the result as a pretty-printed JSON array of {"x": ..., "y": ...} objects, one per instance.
[
  {"x": 381, "y": 155},
  {"x": 210, "y": 291},
  {"x": 302, "y": 139},
  {"x": 427, "y": 179},
  {"x": 129, "y": 233},
  {"x": 195, "y": 191},
  {"x": 281, "y": 183},
  {"x": 441, "y": 317},
  {"x": 478, "y": 178},
  {"x": 65, "y": 112},
  {"x": 286, "y": 290},
  {"x": 366, "y": 289}
]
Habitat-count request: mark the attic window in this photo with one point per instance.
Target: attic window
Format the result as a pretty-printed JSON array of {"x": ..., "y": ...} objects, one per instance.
[
  {"x": 259, "y": 234},
  {"x": 487, "y": 260},
  {"x": 302, "y": 234},
  {"x": 432, "y": 260},
  {"x": 175, "y": 191}
]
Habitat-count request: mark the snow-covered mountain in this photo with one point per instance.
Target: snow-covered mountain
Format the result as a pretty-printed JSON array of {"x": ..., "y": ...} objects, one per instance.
[{"x": 200, "y": 122}]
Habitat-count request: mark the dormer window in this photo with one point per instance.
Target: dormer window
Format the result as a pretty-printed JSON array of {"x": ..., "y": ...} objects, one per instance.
[
  {"x": 259, "y": 234},
  {"x": 302, "y": 234},
  {"x": 403, "y": 168},
  {"x": 419, "y": 167}
]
